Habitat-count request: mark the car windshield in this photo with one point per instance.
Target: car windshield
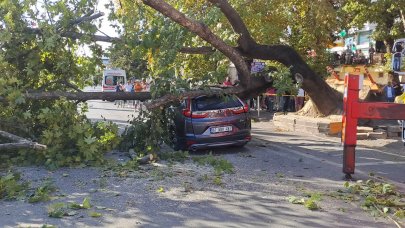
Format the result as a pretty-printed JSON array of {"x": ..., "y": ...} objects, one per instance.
[
  {"x": 113, "y": 80},
  {"x": 215, "y": 102}
]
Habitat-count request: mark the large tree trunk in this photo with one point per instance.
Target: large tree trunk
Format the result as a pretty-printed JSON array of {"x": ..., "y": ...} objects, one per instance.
[{"x": 326, "y": 99}]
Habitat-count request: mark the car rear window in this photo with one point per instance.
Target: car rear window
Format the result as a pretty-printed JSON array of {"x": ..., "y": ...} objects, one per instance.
[{"x": 215, "y": 102}]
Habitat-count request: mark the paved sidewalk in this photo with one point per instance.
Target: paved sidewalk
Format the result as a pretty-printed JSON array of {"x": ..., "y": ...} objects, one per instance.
[{"x": 383, "y": 157}]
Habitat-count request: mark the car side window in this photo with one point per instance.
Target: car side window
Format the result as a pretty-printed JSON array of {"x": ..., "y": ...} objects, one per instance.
[{"x": 183, "y": 104}]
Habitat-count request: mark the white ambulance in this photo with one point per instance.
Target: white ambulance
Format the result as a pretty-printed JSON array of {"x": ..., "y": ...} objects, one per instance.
[{"x": 113, "y": 77}]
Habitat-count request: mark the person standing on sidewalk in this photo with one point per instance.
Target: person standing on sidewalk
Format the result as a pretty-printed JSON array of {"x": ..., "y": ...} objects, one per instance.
[
  {"x": 389, "y": 92},
  {"x": 299, "y": 100},
  {"x": 286, "y": 102},
  {"x": 270, "y": 93}
]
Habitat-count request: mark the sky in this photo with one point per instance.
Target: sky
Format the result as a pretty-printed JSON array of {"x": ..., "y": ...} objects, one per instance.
[{"x": 105, "y": 28}]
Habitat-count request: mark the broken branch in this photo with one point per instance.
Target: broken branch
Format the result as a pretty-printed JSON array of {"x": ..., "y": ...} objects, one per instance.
[{"x": 20, "y": 142}]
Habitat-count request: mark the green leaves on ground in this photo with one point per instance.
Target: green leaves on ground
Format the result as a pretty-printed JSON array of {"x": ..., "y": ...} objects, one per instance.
[
  {"x": 95, "y": 214},
  {"x": 11, "y": 186},
  {"x": 309, "y": 202},
  {"x": 84, "y": 205},
  {"x": 220, "y": 165},
  {"x": 378, "y": 198},
  {"x": 179, "y": 156},
  {"x": 42, "y": 193},
  {"x": 60, "y": 209},
  {"x": 57, "y": 210}
]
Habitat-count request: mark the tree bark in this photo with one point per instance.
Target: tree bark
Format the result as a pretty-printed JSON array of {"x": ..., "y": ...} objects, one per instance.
[
  {"x": 204, "y": 33},
  {"x": 324, "y": 97},
  {"x": 85, "y": 96},
  {"x": 19, "y": 142}
]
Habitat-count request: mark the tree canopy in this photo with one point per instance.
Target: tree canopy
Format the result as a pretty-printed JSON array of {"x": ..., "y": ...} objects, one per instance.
[
  {"x": 388, "y": 15},
  {"x": 174, "y": 42}
]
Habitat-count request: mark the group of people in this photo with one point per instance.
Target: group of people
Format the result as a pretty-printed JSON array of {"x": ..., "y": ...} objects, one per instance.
[
  {"x": 353, "y": 56},
  {"x": 285, "y": 103},
  {"x": 272, "y": 102},
  {"x": 392, "y": 90},
  {"x": 132, "y": 86}
]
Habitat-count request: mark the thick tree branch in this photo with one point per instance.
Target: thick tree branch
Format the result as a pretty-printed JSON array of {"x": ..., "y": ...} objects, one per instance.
[
  {"x": 245, "y": 39},
  {"x": 18, "y": 142},
  {"x": 21, "y": 145},
  {"x": 84, "y": 96},
  {"x": 87, "y": 17},
  {"x": 70, "y": 85},
  {"x": 206, "y": 34},
  {"x": 169, "y": 98},
  {"x": 76, "y": 36}
]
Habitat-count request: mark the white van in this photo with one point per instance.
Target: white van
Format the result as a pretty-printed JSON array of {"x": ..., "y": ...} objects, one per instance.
[{"x": 111, "y": 78}]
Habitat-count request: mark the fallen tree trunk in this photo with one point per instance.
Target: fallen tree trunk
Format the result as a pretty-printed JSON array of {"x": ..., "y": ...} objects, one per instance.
[
  {"x": 257, "y": 85},
  {"x": 85, "y": 96}
]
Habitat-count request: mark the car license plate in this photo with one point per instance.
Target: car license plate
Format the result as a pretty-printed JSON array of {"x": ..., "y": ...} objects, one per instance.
[{"x": 220, "y": 129}]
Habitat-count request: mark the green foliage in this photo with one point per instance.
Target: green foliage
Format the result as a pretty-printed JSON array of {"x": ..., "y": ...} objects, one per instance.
[
  {"x": 217, "y": 180},
  {"x": 220, "y": 165},
  {"x": 42, "y": 193},
  {"x": 60, "y": 209},
  {"x": 11, "y": 187},
  {"x": 146, "y": 133},
  {"x": 71, "y": 137},
  {"x": 47, "y": 62},
  {"x": 95, "y": 214},
  {"x": 86, "y": 203},
  {"x": 122, "y": 169},
  {"x": 385, "y": 14},
  {"x": 378, "y": 198},
  {"x": 57, "y": 210},
  {"x": 160, "y": 190},
  {"x": 282, "y": 78},
  {"x": 309, "y": 203}
]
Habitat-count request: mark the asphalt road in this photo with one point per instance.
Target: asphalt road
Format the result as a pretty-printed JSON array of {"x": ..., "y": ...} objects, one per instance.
[
  {"x": 109, "y": 111},
  {"x": 272, "y": 167},
  {"x": 380, "y": 161}
]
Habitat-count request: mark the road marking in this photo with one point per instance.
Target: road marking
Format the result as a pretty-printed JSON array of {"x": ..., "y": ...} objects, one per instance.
[{"x": 379, "y": 163}]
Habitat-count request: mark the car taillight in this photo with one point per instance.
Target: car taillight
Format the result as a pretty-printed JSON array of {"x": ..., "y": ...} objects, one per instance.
[
  {"x": 240, "y": 110},
  {"x": 196, "y": 115},
  {"x": 186, "y": 112}
]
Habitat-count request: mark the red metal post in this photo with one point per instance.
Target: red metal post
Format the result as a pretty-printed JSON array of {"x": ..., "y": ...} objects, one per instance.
[
  {"x": 353, "y": 110},
  {"x": 349, "y": 131}
]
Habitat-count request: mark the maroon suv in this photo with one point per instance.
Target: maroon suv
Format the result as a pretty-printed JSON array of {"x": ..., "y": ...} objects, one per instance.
[{"x": 210, "y": 121}]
